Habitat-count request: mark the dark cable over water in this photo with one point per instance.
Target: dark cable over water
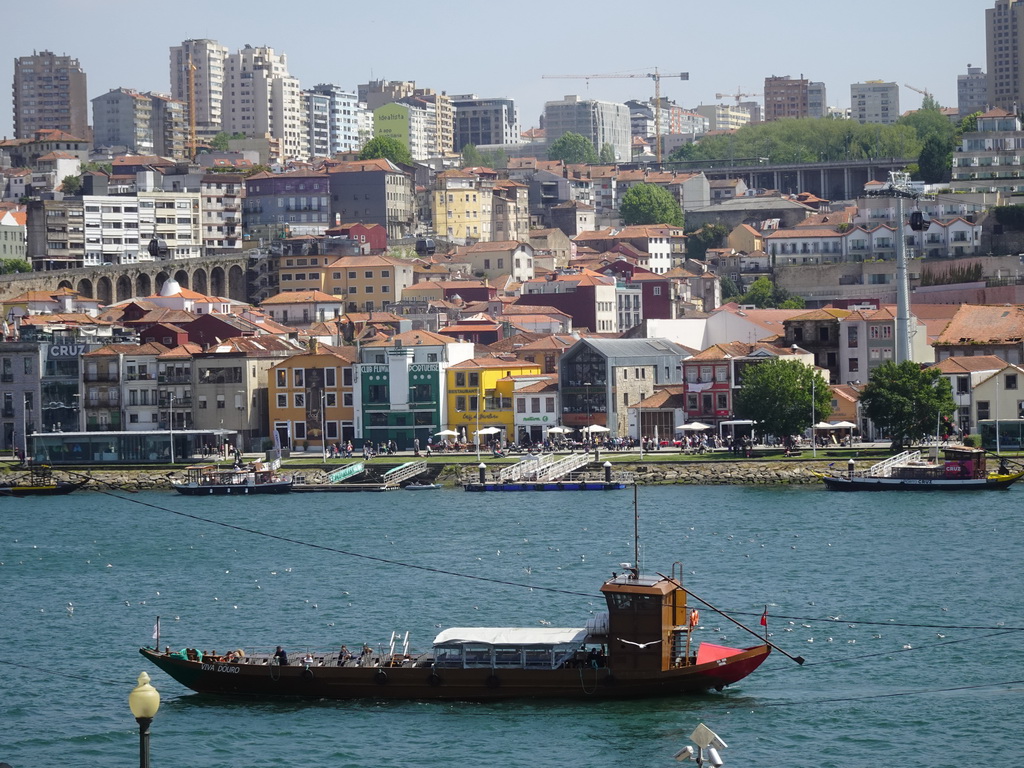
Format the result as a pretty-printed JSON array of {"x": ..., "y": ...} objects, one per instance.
[{"x": 445, "y": 572}]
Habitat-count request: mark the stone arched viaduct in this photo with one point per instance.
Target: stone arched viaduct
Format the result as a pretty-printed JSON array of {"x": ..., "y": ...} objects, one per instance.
[{"x": 212, "y": 275}]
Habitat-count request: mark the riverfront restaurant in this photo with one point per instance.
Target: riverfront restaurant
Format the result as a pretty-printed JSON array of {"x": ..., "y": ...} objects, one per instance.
[{"x": 130, "y": 447}]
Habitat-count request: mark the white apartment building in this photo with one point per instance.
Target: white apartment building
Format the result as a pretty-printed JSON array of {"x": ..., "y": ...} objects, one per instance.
[
  {"x": 337, "y": 121},
  {"x": 990, "y": 159},
  {"x": 723, "y": 117},
  {"x": 262, "y": 99},
  {"x": 602, "y": 122},
  {"x": 222, "y": 195},
  {"x": 875, "y": 101},
  {"x": 208, "y": 58},
  {"x": 119, "y": 228}
]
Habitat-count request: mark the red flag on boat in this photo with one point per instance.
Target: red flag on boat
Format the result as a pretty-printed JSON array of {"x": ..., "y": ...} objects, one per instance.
[{"x": 764, "y": 617}]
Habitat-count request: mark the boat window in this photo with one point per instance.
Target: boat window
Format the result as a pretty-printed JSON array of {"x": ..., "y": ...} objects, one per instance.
[{"x": 621, "y": 601}]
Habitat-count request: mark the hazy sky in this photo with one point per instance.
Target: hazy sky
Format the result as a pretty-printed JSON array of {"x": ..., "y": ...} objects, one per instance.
[{"x": 504, "y": 49}]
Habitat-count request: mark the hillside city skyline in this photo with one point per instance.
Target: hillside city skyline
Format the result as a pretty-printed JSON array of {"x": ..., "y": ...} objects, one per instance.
[{"x": 362, "y": 59}]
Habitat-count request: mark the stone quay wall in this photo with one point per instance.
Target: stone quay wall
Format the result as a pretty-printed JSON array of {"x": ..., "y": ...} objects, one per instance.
[{"x": 743, "y": 472}]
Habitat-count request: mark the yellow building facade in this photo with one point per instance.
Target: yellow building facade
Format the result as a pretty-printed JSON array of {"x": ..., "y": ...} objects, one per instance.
[
  {"x": 310, "y": 398},
  {"x": 368, "y": 283},
  {"x": 461, "y": 206},
  {"x": 480, "y": 395}
]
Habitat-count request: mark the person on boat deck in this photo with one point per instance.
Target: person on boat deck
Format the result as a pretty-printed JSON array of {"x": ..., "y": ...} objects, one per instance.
[
  {"x": 366, "y": 656},
  {"x": 345, "y": 655},
  {"x": 307, "y": 659},
  {"x": 281, "y": 656}
]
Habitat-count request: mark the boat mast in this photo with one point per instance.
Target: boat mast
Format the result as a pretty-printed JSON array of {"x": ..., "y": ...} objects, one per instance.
[{"x": 636, "y": 528}]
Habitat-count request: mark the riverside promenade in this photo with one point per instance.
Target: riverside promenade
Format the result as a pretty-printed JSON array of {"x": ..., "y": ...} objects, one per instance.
[{"x": 664, "y": 467}]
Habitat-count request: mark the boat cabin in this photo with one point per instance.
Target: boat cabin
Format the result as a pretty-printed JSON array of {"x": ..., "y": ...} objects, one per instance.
[
  {"x": 958, "y": 463},
  {"x": 648, "y": 622},
  {"x": 507, "y": 648}
]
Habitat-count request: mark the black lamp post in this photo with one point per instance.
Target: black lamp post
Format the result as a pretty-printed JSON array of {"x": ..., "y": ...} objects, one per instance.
[{"x": 144, "y": 701}]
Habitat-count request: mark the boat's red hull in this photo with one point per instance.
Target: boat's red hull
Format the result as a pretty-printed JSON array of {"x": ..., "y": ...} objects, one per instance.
[{"x": 453, "y": 684}]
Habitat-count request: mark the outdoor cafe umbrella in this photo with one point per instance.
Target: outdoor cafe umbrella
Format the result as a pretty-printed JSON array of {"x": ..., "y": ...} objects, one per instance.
[
  {"x": 844, "y": 425},
  {"x": 488, "y": 431},
  {"x": 823, "y": 425},
  {"x": 596, "y": 428},
  {"x": 560, "y": 430},
  {"x": 694, "y": 426},
  {"x": 446, "y": 433}
]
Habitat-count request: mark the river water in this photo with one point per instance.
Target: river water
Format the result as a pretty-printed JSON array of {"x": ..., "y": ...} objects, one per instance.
[{"x": 843, "y": 575}]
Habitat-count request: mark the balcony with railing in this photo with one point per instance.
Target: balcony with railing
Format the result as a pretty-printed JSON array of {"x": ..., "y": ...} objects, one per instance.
[
  {"x": 174, "y": 378},
  {"x": 103, "y": 400},
  {"x": 108, "y": 376}
]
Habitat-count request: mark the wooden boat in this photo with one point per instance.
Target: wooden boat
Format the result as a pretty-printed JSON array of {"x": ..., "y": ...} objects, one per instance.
[
  {"x": 961, "y": 469},
  {"x": 39, "y": 481},
  {"x": 209, "y": 479},
  {"x": 644, "y": 646}
]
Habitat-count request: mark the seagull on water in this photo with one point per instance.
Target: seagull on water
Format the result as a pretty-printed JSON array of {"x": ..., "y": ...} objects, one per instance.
[{"x": 641, "y": 646}]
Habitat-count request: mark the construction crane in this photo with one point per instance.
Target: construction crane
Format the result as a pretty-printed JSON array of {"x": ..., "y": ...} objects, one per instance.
[
  {"x": 656, "y": 76},
  {"x": 927, "y": 94},
  {"x": 738, "y": 95}
]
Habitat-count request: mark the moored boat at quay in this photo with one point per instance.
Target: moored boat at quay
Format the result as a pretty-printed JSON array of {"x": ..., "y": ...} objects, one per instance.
[
  {"x": 961, "y": 469},
  {"x": 209, "y": 479},
  {"x": 39, "y": 481},
  {"x": 644, "y": 646}
]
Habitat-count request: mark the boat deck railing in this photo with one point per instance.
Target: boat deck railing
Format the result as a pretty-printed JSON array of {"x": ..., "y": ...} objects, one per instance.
[{"x": 883, "y": 468}]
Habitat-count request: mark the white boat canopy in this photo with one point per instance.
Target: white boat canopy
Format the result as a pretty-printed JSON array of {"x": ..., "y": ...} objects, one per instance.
[{"x": 511, "y": 636}]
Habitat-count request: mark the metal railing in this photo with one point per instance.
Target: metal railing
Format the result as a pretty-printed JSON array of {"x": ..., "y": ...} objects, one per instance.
[
  {"x": 881, "y": 469},
  {"x": 528, "y": 467}
]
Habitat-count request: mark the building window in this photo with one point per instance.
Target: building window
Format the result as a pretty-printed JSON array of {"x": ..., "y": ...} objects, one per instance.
[
  {"x": 521, "y": 405},
  {"x": 300, "y": 399},
  {"x": 460, "y": 379},
  {"x": 299, "y": 430},
  {"x": 1010, "y": 381},
  {"x": 282, "y": 377},
  {"x": 220, "y": 402},
  {"x": 983, "y": 410},
  {"x": 282, "y": 401}
]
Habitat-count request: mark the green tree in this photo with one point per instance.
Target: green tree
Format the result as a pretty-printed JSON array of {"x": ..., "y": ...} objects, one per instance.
[
  {"x": 905, "y": 401},
  {"x": 805, "y": 140},
  {"x": 778, "y": 395},
  {"x": 92, "y": 167},
  {"x": 471, "y": 156},
  {"x": 708, "y": 236},
  {"x": 572, "y": 148},
  {"x": 220, "y": 141},
  {"x": 10, "y": 266},
  {"x": 650, "y": 204},
  {"x": 730, "y": 291},
  {"x": 764, "y": 294},
  {"x": 761, "y": 294},
  {"x": 386, "y": 146},
  {"x": 935, "y": 162},
  {"x": 607, "y": 154},
  {"x": 72, "y": 185}
]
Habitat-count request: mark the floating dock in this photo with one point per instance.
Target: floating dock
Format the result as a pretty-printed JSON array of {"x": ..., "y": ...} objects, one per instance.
[{"x": 566, "y": 485}]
